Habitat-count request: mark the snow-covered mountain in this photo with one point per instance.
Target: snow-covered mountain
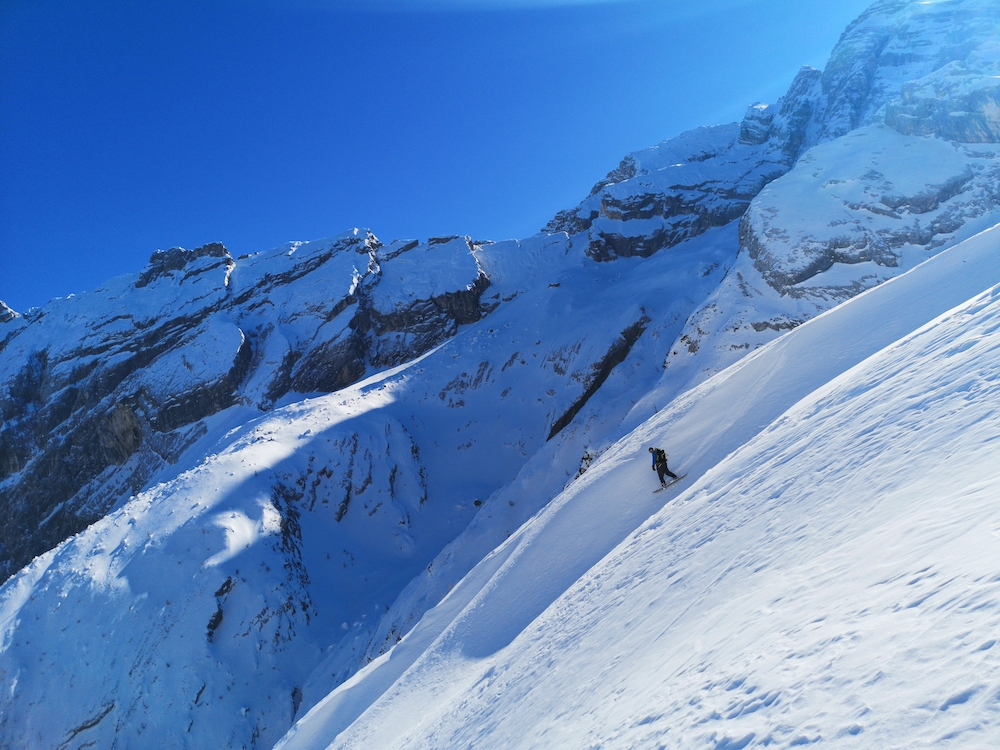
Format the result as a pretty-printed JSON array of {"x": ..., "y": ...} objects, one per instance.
[
  {"x": 828, "y": 571},
  {"x": 398, "y": 492},
  {"x": 865, "y": 199}
]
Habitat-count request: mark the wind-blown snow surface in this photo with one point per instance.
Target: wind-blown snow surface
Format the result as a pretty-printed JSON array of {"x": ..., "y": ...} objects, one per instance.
[{"x": 829, "y": 573}]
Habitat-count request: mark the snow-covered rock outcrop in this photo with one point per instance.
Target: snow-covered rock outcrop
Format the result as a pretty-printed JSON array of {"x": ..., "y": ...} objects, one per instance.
[
  {"x": 886, "y": 178},
  {"x": 704, "y": 178},
  {"x": 867, "y": 198},
  {"x": 101, "y": 391}
]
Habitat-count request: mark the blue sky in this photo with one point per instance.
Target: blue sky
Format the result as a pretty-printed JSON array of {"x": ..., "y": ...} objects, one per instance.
[{"x": 127, "y": 127}]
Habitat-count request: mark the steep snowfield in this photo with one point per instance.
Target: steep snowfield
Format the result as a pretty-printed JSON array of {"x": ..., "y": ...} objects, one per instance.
[{"x": 829, "y": 570}]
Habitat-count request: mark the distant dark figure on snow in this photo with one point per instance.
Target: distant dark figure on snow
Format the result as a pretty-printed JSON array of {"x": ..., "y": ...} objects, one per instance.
[{"x": 660, "y": 465}]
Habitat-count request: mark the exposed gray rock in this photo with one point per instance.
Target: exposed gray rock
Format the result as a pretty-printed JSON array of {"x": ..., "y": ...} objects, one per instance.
[
  {"x": 162, "y": 262},
  {"x": 674, "y": 191},
  {"x": 6, "y": 314},
  {"x": 953, "y": 103},
  {"x": 705, "y": 178},
  {"x": 601, "y": 370},
  {"x": 756, "y": 126}
]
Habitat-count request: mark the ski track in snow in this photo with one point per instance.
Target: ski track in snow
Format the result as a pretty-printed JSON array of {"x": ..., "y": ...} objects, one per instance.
[{"x": 836, "y": 578}]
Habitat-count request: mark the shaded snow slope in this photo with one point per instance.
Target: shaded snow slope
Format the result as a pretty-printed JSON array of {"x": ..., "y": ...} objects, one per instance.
[{"x": 825, "y": 572}]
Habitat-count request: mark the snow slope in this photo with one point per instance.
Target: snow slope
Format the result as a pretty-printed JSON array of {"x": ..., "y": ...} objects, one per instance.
[
  {"x": 829, "y": 571},
  {"x": 288, "y": 535}
]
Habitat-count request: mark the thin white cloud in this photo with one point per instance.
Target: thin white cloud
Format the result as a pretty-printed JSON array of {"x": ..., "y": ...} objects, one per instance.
[
  {"x": 672, "y": 8},
  {"x": 456, "y": 5}
]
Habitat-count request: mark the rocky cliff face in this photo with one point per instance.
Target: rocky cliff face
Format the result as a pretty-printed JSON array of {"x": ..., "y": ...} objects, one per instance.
[
  {"x": 702, "y": 179},
  {"x": 99, "y": 392},
  {"x": 898, "y": 159},
  {"x": 898, "y": 52}
]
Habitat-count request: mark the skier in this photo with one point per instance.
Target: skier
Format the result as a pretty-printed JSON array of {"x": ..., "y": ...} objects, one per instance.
[{"x": 660, "y": 465}]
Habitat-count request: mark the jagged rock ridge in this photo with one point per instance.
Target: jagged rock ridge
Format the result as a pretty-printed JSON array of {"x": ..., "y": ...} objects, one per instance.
[{"x": 101, "y": 390}]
